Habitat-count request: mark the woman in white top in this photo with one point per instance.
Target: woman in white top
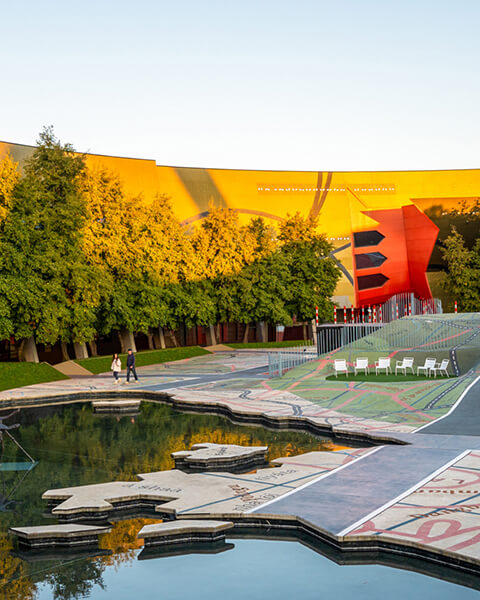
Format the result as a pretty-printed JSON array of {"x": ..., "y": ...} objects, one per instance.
[{"x": 116, "y": 366}]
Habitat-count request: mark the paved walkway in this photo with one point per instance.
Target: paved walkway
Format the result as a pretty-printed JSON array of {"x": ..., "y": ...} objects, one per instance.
[
  {"x": 464, "y": 419},
  {"x": 427, "y": 491},
  {"x": 351, "y": 495}
]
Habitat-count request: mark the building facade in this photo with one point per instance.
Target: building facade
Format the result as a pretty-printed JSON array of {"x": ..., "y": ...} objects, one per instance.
[{"x": 384, "y": 226}]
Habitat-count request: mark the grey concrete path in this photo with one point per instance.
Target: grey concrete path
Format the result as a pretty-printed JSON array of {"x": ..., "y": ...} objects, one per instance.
[
  {"x": 344, "y": 498},
  {"x": 341, "y": 499},
  {"x": 464, "y": 420},
  {"x": 189, "y": 379},
  {"x": 335, "y": 503}
]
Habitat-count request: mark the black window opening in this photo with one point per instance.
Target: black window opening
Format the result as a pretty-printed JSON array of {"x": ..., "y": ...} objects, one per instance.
[
  {"x": 369, "y": 260},
  {"x": 365, "y": 282},
  {"x": 367, "y": 238}
]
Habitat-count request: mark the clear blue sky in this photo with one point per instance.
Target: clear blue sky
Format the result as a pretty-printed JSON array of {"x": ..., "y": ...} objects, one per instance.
[{"x": 314, "y": 85}]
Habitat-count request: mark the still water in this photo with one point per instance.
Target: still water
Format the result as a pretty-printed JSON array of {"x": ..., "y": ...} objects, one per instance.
[
  {"x": 73, "y": 446},
  {"x": 252, "y": 569}
]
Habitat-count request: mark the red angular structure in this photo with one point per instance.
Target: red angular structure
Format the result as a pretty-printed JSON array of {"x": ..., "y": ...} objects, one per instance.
[{"x": 393, "y": 257}]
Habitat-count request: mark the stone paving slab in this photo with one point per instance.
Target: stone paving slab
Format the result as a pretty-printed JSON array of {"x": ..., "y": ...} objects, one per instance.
[
  {"x": 372, "y": 489},
  {"x": 464, "y": 420},
  {"x": 116, "y": 404},
  {"x": 347, "y": 495},
  {"x": 177, "y": 492},
  {"x": 58, "y": 535},
  {"x": 184, "y": 532},
  {"x": 443, "y": 514},
  {"x": 282, "y": 404},
  {"x": 209, "y": 456}
]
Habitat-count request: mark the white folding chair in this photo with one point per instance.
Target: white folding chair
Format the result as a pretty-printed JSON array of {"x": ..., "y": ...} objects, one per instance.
[
  {"x": 383, "y": 363},
  {"x": 340, "y": 366},
  {"x": 361, "y": 364},
  {"x": 440, "y": 367},
  {"x": 427, "y": 366},
  {"x": 404, "y": 364}
]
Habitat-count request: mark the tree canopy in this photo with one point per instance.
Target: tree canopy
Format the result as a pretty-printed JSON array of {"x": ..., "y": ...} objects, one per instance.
[
  {"x": 463, "y": 271},
  {"x": 80, "y": 257}
]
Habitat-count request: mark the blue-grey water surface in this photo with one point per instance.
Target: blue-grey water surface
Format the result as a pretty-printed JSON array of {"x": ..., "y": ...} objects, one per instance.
[{"x": 260, "y": 570}]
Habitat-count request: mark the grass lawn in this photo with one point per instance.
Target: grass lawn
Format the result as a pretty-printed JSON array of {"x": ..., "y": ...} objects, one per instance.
[
  {"x": 381, "y": 378},
  {"x": 101, "y": 364},
  {"x": 18, "y": 374},
  {"x": 271, "y": 344}
]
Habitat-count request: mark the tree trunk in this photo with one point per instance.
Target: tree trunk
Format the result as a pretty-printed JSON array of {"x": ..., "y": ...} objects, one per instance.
[
  {"x": 159, "y": 338},
  {"x": 312, "y": 332},
  {"x": 262, "y": 333},
  {"x": 80, "y": 350},
  {"x": 20, "y": 351},
  {"x": 93, "y": 348},
  {"x": 122, "y": 344},
  {"x": 127, "y": 340},
  {"x": 150, "y": 341},
  {"x": 173, "y": 338},
  {"x": 28, "y": 350},
  {"x": 63, "y": 346},
  {"x": 210, "y": 335},
  {"x": 304, "y": 329},
  {"x": 245, "y": 334}
]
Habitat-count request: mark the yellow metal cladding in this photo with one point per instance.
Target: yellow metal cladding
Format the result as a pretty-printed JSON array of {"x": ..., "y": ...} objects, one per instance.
[{"x": 339, "y": 199}]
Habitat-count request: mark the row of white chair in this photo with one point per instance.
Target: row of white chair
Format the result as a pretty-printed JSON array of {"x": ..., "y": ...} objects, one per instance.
[{"x": 431, "y": 366}]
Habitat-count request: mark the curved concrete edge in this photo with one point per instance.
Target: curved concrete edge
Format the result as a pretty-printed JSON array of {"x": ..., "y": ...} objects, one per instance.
[
  {"x": 236, "y": 415},
  {"x": 193, "y": 531},
  {"x": 207, "y": 456},
  {"x": 129, "y": 406},
  {"x": 183, "y": 526},
  {"x": 42, "y": 536},
  {"x": 351, "y": 547},
  {"x": 105, "y": 510},
  {"x": 114, "y": 403}
]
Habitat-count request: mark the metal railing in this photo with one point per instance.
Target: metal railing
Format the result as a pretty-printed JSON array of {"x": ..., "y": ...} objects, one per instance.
[
  {"x": 398, "y": 306},
  {"x": 331, "y": 337},
  {"x": 281, "y": 361},
  {"x": 418, "y": 334}
]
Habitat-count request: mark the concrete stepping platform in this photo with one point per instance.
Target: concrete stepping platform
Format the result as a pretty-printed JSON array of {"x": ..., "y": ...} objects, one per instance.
[
  {"x": 44, "y": 536},
  {"x": 184, "y": 532},
  {"x": 153, "y": 552},
  {"x": 124, "y": 405},
  {"x": 172, "y": 492},
  {"x": 220, "y": 457}
]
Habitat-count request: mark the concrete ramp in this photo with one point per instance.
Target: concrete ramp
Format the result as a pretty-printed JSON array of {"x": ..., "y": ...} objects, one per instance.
[{"x": 72, "y": 369}]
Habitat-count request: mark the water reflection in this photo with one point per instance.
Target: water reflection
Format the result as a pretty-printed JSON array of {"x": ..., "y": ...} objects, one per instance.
[
  {"x": 256, "y": 569},
  {"x": 73, "y": 446}
]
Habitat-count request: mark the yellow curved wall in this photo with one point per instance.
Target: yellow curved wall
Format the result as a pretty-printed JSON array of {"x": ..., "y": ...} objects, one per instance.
[{"x": 337, "y": 198}]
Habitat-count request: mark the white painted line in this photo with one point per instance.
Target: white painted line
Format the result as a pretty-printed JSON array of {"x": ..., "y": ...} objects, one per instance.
[
  {"x": 403, "y": 495},
  {"x": 305, "y": 485},
  {"x": 462, "y": 396}
]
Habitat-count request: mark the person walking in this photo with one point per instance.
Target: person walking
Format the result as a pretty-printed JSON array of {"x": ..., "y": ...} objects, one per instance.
[
  {"x": 131, "y": 365},
  {"x": 116, "y": 366}
]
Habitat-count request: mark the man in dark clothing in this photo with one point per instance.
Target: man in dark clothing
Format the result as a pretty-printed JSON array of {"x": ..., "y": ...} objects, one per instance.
[{"x": 131, "y": 365}]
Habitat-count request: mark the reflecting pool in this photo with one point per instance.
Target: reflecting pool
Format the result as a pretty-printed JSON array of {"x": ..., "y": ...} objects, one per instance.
[
  {"x": 252, "y": 569},
  {"x": 71, "y": 445}
]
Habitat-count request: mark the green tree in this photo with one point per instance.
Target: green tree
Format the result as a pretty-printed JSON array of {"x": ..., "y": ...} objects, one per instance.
[
  {"x": 313, "y": 274},
  {"x": 463, "y": 271},
  {"x": 264, "y": 289},
  {"x": 9, "y": 176},
  {"x": 51, "y": 292},
  {"x": 221, "y": 248}
]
